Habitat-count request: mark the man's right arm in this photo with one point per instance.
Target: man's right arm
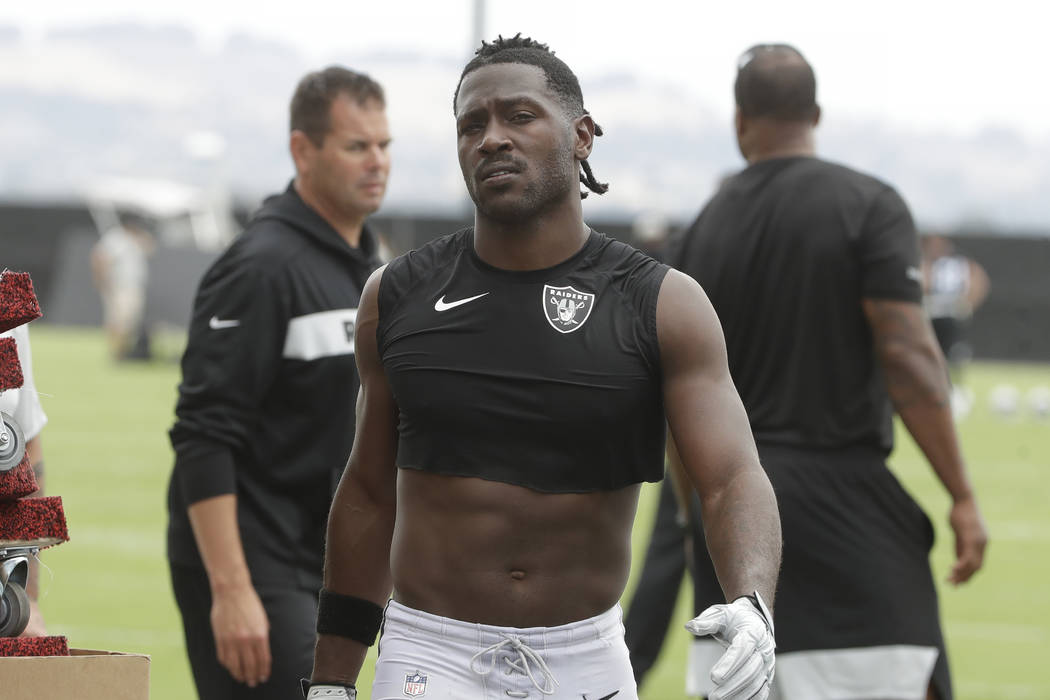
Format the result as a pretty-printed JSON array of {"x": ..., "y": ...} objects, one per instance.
[
  {"x": 361, "y": 521},
  {"x": 917, "y": 381},
  {"x": 238, "y": 620},
  {"x": 226, "y": 371}
]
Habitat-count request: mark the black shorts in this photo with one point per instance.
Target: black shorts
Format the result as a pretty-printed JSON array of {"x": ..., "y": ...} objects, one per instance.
[{"x": 855, "y": 577}]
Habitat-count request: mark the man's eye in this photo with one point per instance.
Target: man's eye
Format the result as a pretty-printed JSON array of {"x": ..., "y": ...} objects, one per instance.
[
  {"x": 522, "y": 117},
  {"x": 471, "y": 128}
]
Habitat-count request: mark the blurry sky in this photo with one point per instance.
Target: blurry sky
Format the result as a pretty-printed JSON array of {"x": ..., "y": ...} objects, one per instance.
[{"x": 955, "y": 66}]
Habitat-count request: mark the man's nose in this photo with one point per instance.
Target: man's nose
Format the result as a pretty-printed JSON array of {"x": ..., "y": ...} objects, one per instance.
[
  {"x": 494, "y": 139},
  {"x": 378, "y": 158}
]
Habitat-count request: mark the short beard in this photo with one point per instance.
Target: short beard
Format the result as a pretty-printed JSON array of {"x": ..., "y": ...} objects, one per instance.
[{"x": 554, "y": 179}]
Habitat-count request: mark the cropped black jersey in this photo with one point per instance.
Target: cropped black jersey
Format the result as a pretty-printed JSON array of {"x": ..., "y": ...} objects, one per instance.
[{"x": 548, "y": 379}]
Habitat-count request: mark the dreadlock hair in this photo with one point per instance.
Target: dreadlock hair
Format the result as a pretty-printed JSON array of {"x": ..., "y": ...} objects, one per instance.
[
  {"x": 776, "y": 81},
  {"x": 315, "y": 93},
  {"x": 560, "y": 79}
]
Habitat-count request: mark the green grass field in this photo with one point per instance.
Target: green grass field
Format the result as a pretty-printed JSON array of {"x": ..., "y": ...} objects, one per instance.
[{"x": 108, "y": 457}]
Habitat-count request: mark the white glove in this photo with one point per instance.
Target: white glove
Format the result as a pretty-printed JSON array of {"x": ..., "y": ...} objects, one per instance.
[{"x": 745, "y": 628}]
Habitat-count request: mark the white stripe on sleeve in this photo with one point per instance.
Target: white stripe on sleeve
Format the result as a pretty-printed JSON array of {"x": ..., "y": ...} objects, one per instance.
[{"x": 323, "y": 334}]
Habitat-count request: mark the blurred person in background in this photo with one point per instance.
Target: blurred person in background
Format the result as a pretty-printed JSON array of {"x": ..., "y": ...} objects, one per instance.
[
  {"x": 954, "y": 286},
  {"x": 23, "y": 406},
  {"x": 515, "y": 381},
  {"x": 813, "y": 269},
  {"x": 265, "y": 414},
  {"x": 120, "y": 270}
]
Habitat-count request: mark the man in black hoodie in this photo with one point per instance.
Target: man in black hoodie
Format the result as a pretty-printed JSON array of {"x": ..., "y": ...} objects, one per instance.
[{"x": 265, "y": 415}]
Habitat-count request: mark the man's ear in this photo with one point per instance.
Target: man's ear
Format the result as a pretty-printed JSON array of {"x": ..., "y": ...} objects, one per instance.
[
  {"x": 301, "y": 148},
  {"x": 584, "y": 130}
]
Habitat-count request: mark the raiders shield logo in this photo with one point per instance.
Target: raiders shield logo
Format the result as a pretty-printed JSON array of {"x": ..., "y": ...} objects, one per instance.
[
  {"x": 415, "y": 684},
  {"x": 566, "y": 308}
]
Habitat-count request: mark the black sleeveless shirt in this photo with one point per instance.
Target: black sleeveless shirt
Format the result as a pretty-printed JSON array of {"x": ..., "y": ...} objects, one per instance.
[{"x": 548, "y": 379}]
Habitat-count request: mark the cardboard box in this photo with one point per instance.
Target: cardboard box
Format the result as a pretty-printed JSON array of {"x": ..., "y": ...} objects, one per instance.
[{"x": 84, "y": 675}]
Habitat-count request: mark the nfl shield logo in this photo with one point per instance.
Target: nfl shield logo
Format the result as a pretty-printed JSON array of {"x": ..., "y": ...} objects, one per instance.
[
  {"x": 566, "y": 308},
  {"x": 415, "y": 684}
]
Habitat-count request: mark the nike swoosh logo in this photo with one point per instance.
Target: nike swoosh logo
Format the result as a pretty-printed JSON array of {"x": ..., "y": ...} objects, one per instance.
[
  {"x": 441, "y": 305},
  {"x": 615, "y": 692},
  {"x": 217, "y": 324}
]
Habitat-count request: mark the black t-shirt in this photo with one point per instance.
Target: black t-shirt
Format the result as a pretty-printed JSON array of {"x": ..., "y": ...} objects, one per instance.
[
  {"x": 786, "y": 250},
  {"x": 547, "y": 379}
]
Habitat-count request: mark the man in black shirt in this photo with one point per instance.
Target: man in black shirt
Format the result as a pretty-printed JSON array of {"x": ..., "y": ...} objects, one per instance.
[
  {"x": 813, "y": 270},
  {"x": 515, "y": 378},
  {"x": 266, "y": 404}
]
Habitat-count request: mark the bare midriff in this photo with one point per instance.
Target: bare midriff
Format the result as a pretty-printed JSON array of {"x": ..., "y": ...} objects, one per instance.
[{"x": 499, "y": 554}]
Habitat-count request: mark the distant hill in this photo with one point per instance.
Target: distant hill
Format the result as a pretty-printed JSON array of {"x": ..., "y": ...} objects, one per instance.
[{"x": 123, "y": 99}]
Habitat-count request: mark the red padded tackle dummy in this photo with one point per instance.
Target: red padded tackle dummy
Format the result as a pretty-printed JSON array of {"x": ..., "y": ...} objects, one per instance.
[
  {"x": 18, "y": 302},
  {"x": 25, "y": 523}
]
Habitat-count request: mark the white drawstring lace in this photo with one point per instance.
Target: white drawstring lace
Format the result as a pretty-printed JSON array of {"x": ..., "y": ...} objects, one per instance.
[{"x": 521, "y": 665}]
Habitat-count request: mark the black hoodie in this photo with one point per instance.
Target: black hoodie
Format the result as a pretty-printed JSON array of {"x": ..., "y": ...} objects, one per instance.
[{"x": 269, "y": 384}]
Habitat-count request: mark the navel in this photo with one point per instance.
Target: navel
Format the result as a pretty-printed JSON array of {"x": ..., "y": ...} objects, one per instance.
[{"x": 517, "y": 574}]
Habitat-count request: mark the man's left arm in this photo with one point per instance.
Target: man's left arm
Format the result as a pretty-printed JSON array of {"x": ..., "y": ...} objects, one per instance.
[
  {"x": 717, "y": 453},
  {"x": 913, "y": 367},
  {"x": 711, "y": 432},
  {"x": 917, "y": 382}
]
